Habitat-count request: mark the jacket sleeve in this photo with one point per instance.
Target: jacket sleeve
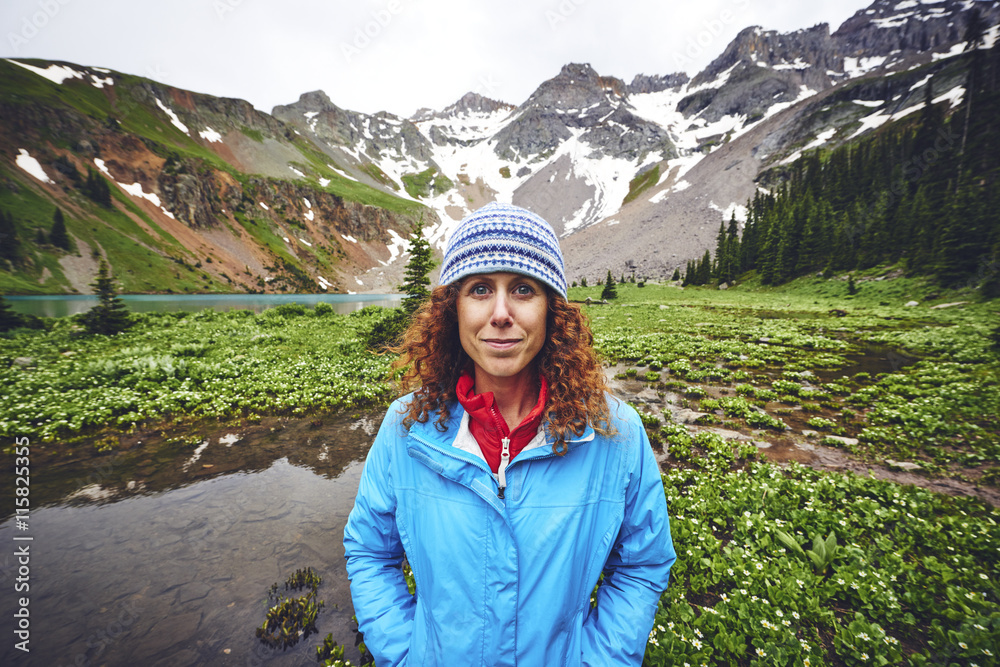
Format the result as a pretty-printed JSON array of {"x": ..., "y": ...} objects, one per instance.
[
  {"x": 637, "y": 570},
  {"x": 382, "y": 603}
]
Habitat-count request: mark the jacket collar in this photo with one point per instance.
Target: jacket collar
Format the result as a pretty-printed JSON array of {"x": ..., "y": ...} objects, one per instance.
[
  {"x": 438, "y": 451},
  {"x": 428, "y": 434}
]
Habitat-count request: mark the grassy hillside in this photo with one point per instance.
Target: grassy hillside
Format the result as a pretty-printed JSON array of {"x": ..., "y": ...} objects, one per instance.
[{"x": 66, "y": 126}]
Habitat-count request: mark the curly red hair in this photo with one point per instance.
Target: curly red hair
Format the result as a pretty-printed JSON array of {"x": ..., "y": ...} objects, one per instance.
[{"x": 432, "y": 360}]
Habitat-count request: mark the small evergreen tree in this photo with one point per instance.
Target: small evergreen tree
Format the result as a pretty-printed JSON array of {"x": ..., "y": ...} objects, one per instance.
[
  {"x": 677, "y": 274},
  {"x": 96, "y": 188},
  {"x": 110, "y": 315},
  {"x": 610, "y": 291},
  {"x": 9, "y": 243},
  {"x": 583, "y": 281},
  {"x": 852, "y": 289},
  {"x": 58, "y": 235},
  {"x": 8, "y": 318},
  {"x": 416, "y": 279}
]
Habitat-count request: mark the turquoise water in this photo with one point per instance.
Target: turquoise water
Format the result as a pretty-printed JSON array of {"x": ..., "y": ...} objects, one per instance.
[{"x": 65, "y": 305}]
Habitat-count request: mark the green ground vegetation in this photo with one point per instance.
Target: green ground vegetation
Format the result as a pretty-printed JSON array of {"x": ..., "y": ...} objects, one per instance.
[
  {"x": 642, "y": 182},
  {"x": 776, "y": 564}
]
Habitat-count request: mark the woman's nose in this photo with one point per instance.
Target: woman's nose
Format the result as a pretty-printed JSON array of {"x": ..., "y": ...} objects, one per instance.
[{"x": 501, "y": 311}]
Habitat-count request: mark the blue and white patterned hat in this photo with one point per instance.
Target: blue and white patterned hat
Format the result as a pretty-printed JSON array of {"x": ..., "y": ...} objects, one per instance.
[{"x": 502, "y": 237}]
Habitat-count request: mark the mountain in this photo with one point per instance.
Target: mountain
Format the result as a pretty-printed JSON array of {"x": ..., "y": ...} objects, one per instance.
[
  {"x": 201, "y": 193},
  {"x": 634, "y": 176}
]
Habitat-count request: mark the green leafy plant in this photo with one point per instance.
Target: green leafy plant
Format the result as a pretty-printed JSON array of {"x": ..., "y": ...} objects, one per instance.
[{"x": 822, "y": 554}]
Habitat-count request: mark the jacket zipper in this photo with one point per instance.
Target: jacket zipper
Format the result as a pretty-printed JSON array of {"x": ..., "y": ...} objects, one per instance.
[{"x": 504, "y": 455}]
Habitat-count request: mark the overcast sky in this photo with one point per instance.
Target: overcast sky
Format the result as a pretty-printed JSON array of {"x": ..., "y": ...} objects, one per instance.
[{"x": 393, "y": 55}]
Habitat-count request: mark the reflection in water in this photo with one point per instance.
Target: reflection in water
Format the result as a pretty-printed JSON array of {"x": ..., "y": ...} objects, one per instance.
[
  {"x": 164, "y": 558},
  {"x": 71, "y": 304}
]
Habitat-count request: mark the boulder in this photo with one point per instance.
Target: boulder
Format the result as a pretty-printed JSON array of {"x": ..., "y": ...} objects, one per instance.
[
  {"x": 841, "y": 439},
  {"x": 911, "y": 304},
  {"x": 908, "y": 466}
]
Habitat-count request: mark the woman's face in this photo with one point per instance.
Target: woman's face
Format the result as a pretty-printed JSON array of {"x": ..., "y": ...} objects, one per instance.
[{"x": 501, "y": 323}]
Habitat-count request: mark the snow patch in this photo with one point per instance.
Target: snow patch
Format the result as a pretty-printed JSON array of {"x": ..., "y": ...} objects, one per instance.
[
  {"x": 348, "y": 237},
  {"x": 136, "y": 191},
  {"x": 99, "y": 82},
  {"x": 854, "y": 67},
  {"x": 310, "y": 216},
  {"x": 54, "y": 73},
  {"x": 953, "y": 51},
  {"x": 659, "y": 196},
  {"x": 305, "y": 242},
  {"x": 296, "y": 172},
  {"x": 738, "y": 210},
  {"x": 263, "y": 206},
  {"x": 797, "y": 64},
  {"x": 174, "y": 120},
  {"x": 32, "y": 166},
  {"x": 210, "y": 135},
  {"x": 397, "y": 247},
  {"x": 820, "y": 139}
]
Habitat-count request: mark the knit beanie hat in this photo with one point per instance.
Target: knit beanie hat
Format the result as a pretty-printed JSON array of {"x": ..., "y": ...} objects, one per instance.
[{"x": 501, "y": 237}]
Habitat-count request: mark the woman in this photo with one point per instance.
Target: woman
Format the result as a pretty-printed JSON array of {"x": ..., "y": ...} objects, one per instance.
[{"x": 510, "y": 479}]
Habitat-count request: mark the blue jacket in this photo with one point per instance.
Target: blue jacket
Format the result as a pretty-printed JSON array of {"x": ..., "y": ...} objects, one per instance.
[{"x": 508, "y": 581}]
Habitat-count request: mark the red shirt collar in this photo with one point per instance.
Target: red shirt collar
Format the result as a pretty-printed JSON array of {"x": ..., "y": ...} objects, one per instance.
[{"x": 488, "y": 426}]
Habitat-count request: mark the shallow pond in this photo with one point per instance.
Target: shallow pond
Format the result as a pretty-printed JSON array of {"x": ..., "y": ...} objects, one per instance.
[{"x": 162, "y": 551}]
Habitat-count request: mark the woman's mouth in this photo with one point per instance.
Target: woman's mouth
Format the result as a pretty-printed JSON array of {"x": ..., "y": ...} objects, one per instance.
[{"x": 502, "y": 343}]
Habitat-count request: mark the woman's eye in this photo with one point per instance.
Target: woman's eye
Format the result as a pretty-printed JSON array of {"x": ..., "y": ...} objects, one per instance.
[
  {"x": 479, "y": 290},
  {"x": 524, "y": 290}
]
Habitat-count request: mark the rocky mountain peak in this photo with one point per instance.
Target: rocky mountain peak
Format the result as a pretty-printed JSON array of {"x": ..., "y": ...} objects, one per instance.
[
  {"x": 643, "y": 83},
  {"x": 314, "y": 101},
  {"x": 756, "y": 47},
  {"x": 909, "y": 26},
  {"x": 471, "y": 103},
  {"x": 577, "y": 86}
]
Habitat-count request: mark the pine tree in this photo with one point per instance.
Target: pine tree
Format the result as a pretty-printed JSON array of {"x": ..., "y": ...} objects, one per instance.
[
  {"x": 9, "y": 243},
  {"x": 416, "y": 279},
  {"x": 58, "y": 235},
  {"x": 610, "y": 291},
  {"x": 583, "y": 281},
  {"x": 677, "y": 274},
  {"x": 704, "y": 269},
  {"x": 8, "y": 318},
  {"x": 110, "y": 316},
  {"x": 96, "y": 188}
]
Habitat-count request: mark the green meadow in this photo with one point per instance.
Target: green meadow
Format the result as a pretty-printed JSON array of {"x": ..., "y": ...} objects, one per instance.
[{"x": 778, "y": 564}]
